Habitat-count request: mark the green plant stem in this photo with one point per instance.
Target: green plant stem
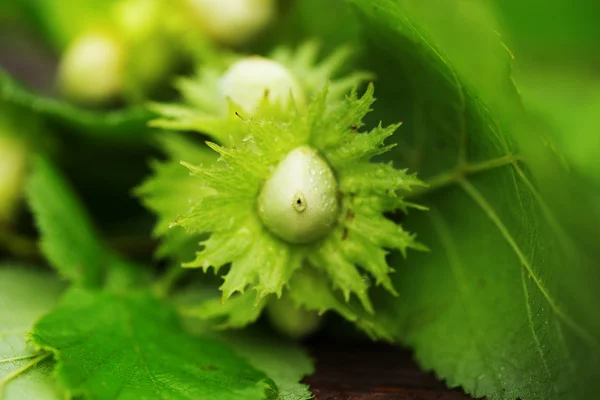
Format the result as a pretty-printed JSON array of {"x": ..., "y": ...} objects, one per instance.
[{"x": 461, "y": 171}]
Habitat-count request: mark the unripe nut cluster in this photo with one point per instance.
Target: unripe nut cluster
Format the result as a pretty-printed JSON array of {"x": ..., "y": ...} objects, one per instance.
[{"x": 249, "y": 80}]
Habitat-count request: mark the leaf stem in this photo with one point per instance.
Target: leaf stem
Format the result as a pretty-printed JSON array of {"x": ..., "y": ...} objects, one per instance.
[
  {"x": 21, "y": 370},
  {"x": 25, "y": 247},
  {"x": 462, "y": 170}
]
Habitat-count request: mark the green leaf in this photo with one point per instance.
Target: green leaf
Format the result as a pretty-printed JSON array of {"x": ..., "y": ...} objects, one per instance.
[
  {"x": 131, "y": 346},
  {"x": 505, "y": 304},
  {"x": 284, "y": 362},
  {"x": 313, "y": 19},
  {"x": 68, "y": 238},
  {"x": 127, "y": 125},
  {"x": 565, "y": 99},
  {"x": 25, "y": 295},
  {"x": 532, "y": 27}
]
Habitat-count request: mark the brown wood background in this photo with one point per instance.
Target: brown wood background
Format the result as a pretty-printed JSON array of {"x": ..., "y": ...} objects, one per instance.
[{"x": 362, "y": 370}]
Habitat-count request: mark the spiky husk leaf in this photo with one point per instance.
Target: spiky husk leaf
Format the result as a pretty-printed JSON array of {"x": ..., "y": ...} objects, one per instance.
[{"x": 225, "y": 204}]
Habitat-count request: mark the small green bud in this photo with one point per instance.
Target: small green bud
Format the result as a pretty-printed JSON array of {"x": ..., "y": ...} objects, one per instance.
[
  {"x": 249, "y": 80},
  {"x": 299, "y": 201},
  {"x": 13, "y": 163},
  {"x": 291, "y": 321},
  {"x": 92, "y": 68},
  {"x": 232, "y": 22}
]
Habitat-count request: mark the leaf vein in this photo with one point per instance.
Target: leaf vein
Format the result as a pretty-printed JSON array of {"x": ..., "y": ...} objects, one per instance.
[
  {"x": 565, "y": 348},
  {"x": 19, "y": 358},
  {"x": 20, "y": 371},
  {"x": 138, "y": 351},
  {"x": 441, "y": 228},
  {"x": 486, "y": 207},
  {"x": 538, "y": 344}
]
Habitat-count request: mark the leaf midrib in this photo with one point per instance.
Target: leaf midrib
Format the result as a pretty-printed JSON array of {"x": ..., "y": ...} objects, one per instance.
[{"x": 486, "y": 207}]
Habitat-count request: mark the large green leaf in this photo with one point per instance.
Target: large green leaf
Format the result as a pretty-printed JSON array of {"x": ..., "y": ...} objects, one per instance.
[
  {"x": 566, "y": 99},
  {"x": 25, "y": 295},
  {"x": 284, "y": 362},
  {"x": 504, "y": 304},
  {"x": 550, "y": 27},
  {"x": 312, "y": 19},
  {"x": 556, "y": 72},
  {"x": 131, "y": 346},
  {"x": 68, "y": 238}
]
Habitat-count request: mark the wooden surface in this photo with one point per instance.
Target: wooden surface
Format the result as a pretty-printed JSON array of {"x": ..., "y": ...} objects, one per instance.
[{"x": 362, "y": 370}]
